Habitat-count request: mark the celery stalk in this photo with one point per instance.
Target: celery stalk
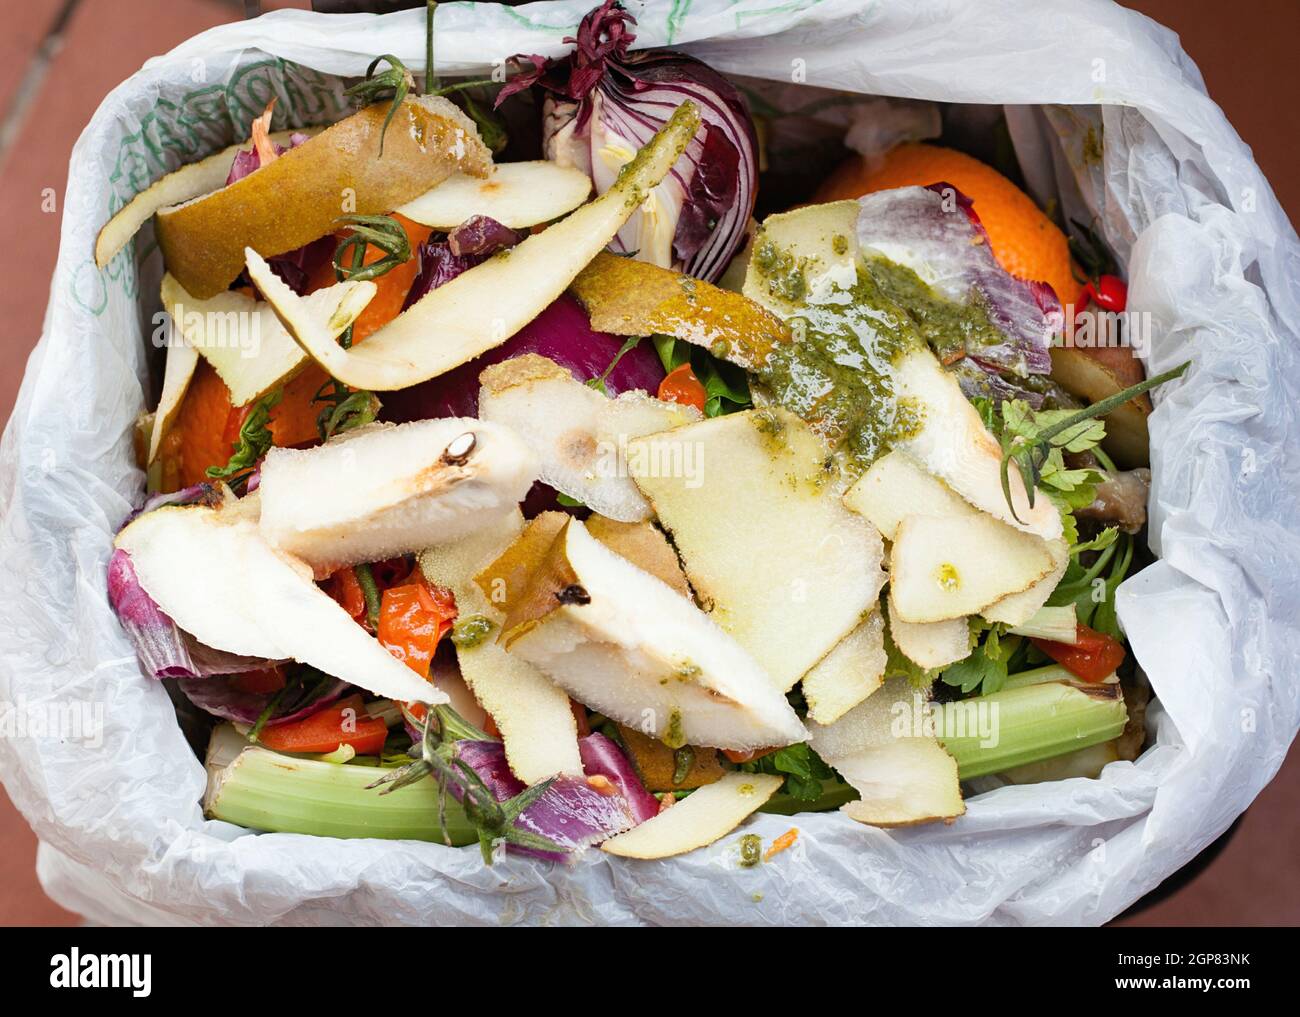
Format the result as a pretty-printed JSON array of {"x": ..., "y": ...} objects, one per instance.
[
  {"x": 265, "y": 790},
  {"x": 1038, "y": 676},
  {"x": 1012, "y": 727},
  {"x": 1058, "y": 624}
]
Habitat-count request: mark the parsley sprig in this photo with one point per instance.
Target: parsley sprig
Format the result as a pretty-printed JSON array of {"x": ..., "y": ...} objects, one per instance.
[
  {"x": 1035, "y": 441},
  {"x": 436, "y": 756}
]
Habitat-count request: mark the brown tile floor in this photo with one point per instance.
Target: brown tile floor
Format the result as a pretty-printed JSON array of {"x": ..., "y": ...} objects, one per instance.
[{"x": 59, "y": 57}]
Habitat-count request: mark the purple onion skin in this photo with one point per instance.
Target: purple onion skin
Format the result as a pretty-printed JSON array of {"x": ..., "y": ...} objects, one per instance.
[
  {"x": 601, "y": 756},
  {"x": 562, "y": 333},
  {"x": 571, "y": 812}
]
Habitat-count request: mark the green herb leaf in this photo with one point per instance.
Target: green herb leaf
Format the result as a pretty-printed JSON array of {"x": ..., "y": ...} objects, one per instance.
[
  {"x": 255, "y": 438},
  {"x": 598, "y": 383},
  {"x": 986, "y": 666},
  {"x": 345, "y": 409},
  {"x": 803, "y": 769}
]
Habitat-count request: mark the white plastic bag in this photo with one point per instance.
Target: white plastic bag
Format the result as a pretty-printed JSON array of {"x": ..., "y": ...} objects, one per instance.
[{"x": 1209, "y": 254}]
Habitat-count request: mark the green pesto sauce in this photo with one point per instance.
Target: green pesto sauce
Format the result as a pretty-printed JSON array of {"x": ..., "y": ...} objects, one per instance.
[
  {"x": 837, "y": 374},
  {"x": 471, "y": 631},
  {"x": 951, "y": 329},
  {"x": 751, "y": 850},
  {"x": 674, "y": 737}
]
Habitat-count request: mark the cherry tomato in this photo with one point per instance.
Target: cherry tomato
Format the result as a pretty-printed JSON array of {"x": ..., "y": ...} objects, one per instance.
[
  {"x": 1092, "y": 658},
  {"x": 1109, "y": 292},
  {"x": 681, "y": 386}
]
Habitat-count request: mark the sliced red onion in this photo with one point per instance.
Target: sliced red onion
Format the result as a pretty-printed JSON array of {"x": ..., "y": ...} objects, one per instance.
[
  {"x": 918, "y": 226},
  {"x": 607, "y": 97},
  {"x": 602, "y": 756},
  {"x": 570, "y": 813},
  {"x": 563, "y": 333}
]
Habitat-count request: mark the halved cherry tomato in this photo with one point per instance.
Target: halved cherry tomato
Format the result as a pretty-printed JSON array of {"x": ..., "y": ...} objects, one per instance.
[
  {"x": 490, "y": 726},
  {"x": 343, "y": 723},
  {"x": 259, "y": 683},
  {"x": 739, "y": 756},
  {"x": 413, "y": 617},
  {"x": 1093, "y": 658},
  {"x": 344, "y": 588},
  {"x": 681, "y": 386}
]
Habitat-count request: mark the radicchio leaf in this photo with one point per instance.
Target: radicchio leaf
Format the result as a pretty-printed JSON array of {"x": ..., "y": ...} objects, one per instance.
[
  {"x": 165, "y": 651},
  {"x": 935, "y": 231},
  {"x": 570, "y": 813},
  {"x": 222, "y": 698},
  {"x": 561, "y": 333},
  {"x": 601, "y": 756},
  {"x": 604, "y": 100},
  {"x": 482, "y": 235}
]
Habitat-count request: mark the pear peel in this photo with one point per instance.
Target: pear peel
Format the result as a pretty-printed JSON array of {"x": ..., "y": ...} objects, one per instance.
[
  {"x": 244, "y": 341},
  {"x": 391, "y": 489},
  {"x": 763, "y": 535},
  {"x": 190, "y": 181},
  {"x": 903, "y": 780},
  {"x": 537, "y": 725},
  {"x": 299, "y": 197},
  {"x": 515, "y": 194},
  {"x": 579, "y": 435},
  {"x": 182, "y": 361},
  {"x": 214, "y": 574},
  {"x": 626, "y": 644},
  {"x": 706, "y": 816},
  {"x": 481, "y": 308}
]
